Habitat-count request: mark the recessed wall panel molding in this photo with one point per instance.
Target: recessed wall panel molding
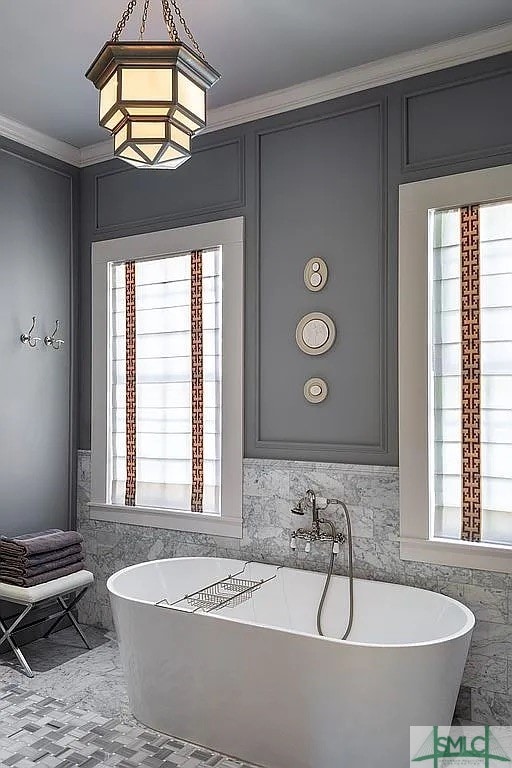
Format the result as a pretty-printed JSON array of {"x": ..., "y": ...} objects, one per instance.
[
  {"x": 304, "y": 198},
  {"x": 462, "y": 120},
  {"x": 212, "y": 181},
  {"x": 322, "y": 191}
]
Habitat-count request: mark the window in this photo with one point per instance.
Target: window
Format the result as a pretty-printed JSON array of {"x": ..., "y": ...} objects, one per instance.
[
  {"x": 167, "y": 379},
  {"x": 456, "y": 370},
  {"x": 471, "y": 372}
]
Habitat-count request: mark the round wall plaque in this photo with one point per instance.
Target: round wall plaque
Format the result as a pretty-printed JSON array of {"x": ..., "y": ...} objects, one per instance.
[
  {"x": 315, "y": 274},
  {"x": 315, "y": 333},
  {"x": 315, "y": 390}
]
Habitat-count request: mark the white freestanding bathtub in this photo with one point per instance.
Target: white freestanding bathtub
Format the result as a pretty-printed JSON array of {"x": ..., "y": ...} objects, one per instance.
[{"x": 256, "y": 681}]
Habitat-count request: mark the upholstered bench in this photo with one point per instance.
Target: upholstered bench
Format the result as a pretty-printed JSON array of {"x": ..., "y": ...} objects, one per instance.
[{"x": 30, "y": 597}]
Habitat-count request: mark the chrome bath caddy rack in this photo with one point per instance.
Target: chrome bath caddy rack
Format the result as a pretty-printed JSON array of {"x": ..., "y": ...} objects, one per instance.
[{"x": 228, "y": 592}]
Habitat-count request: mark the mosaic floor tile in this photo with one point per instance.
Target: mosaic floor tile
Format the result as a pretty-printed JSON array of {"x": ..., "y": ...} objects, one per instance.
[
  {"x": 74, "y": 712},
  {"x": 40, "y": 731}
]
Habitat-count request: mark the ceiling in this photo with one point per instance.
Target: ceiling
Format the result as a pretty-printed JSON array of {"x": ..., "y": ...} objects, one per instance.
[{"x": 45, "y": 47}]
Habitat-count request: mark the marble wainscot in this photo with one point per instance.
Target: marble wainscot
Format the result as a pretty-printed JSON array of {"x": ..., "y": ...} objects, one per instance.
[{"x": 271, "y": 488}]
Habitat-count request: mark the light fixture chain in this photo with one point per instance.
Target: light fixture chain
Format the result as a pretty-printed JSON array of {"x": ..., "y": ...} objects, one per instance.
[
  {"x": 123, "y": 21},
  {"x": 169, "y": 22},
  {"x": 187, "y": 29},
  {"x": 144, "y": 19}
]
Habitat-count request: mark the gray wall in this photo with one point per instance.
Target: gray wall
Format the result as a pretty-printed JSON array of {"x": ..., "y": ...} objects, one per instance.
[
  {"x": 321, "y": 180},
  {"x": 37, "y": 389}
]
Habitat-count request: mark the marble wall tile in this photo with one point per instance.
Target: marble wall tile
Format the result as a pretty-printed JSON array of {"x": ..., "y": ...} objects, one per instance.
[
  {"x": 486, "y": 603},
  {"x": 386, "y": 524},
  {"x": 378, "y": 557},
  {"x": 186, "y": 549},
  {"x": 451, "y": 589},
  {"x": 257, "y": 482},
  {"x": 490, "y": 707},
  {"x": 420, "y": 581},
  {"x": 485, "y": 672},
  {"x": 382, "y": 494},
  {"x": 271, "y": 489},
  {"x": 362, "y": 521},
  {"x": 492, "y": 639},
  {"x": 441, "y": 572},
  {"x": 84, "y": 470},
  {"x": 491, "y": 579}
]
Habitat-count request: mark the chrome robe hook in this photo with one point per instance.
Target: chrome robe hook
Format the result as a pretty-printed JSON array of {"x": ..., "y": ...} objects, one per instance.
[
  {"x": 27, "y": 338},
  {"x": 51, "y": 341}
]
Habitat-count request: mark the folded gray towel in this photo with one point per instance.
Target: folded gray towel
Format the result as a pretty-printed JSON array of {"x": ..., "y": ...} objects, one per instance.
[
  {"x": 38, "y": 543},
  {"x": 34, "y": 581},
  {"x": 33, "y": 561},
  {"x": 33, "y": 535},
  {"x": 24, "y": 572}
]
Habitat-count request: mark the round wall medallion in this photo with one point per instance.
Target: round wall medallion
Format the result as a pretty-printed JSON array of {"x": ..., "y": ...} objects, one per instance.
[
  {"x": 315, "y": 333},
  {"x": 315, "y": 390},
  {"x": 315, "y": 274}
]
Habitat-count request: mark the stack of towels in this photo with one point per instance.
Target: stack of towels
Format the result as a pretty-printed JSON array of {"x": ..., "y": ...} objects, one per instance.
[{"x": 36, "y": 558}]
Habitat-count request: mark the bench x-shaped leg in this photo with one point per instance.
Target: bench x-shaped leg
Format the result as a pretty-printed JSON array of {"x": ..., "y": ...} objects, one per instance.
[
  {"x": 8, "y": 637},
  {"x": 7, "y": 631},
  {"x": 66, "y": 612}
]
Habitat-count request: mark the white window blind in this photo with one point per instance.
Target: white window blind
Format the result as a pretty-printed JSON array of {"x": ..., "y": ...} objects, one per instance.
[
  {"x": 495, "y": 244},
  {"x": 163, "y": 392}
]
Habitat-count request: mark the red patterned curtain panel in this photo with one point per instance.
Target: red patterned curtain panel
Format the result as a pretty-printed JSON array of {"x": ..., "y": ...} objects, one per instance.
[{"x": 470, "y": 371}]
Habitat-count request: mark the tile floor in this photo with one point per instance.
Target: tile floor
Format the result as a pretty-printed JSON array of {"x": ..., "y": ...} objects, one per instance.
[{"x": 74, "y": 712}]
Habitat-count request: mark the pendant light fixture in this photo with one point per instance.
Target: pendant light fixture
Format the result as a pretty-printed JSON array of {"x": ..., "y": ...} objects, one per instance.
[{"x": 152, "y": 95}]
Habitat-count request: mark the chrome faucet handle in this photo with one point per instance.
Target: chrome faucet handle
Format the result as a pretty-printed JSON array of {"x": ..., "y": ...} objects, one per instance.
[
  {"x": 298, "y": 509},
  {"x": 308, "y": 501}
]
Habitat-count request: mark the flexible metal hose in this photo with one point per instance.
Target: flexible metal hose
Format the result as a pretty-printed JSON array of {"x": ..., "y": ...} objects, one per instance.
[{"x": 331, "y": 566}]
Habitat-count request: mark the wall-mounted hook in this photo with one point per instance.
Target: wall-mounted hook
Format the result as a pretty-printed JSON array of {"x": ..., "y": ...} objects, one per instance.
[
  {"x": 27, "y": 338},
  {"x": 51, "y": 341}
]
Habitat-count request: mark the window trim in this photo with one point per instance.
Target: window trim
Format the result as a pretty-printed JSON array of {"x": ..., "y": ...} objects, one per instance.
[
  {"x": 228, "y": 233},
  {"x": 416, "y": 199}
]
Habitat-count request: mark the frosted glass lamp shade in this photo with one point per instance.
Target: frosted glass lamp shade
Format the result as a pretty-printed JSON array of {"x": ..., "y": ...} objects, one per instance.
[
  {"x": 152, "y": 99},
  {"x": 155, "y": 143}
]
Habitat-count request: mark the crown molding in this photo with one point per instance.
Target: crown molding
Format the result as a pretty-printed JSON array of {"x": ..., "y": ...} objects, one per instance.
[
  {"x": 459, "y": 50},
  {"x": 22, "y": 134},
  {"x": 96, "y": 153}
]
